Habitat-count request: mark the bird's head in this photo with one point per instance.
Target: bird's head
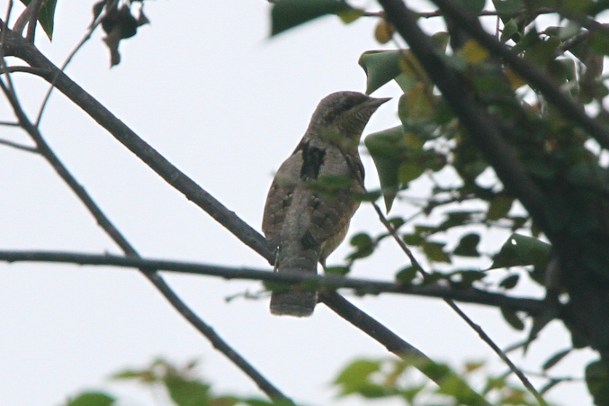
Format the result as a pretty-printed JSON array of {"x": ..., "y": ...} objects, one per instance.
[{"x": 340, "y": 118}]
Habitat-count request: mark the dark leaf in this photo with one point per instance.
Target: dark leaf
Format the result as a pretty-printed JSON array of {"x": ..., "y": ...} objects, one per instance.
[
  {"x": 413, "y": 239},
  {"x": 597, "y": 380},
  {"x": 364, "y": 246},
  {"x": 46, "y": 15},
  {"x": 287, "y": 14},
  {"x": 92, "y": 399},
  {"x": 187, "y": 392},
  {"x": 356, "y": 375},
  {"x": 337, "y": 270},
  {"x": 546, "y": 388},
  {"x": 406, "y": 275},
  {"x": 380, "y": 67},
  {"x": 473, "y": 6},
  {"x": 499, "y": 207},
  {"x": 555, "y": 359},
  {"x": 468, "y": 246},
  {"x": 97, "y": 10},
  {"x": 508, "y": 8},
  {"x": 511, "y": 317},
  {"x": 435, "y": 252},
  {"x": 465, "y": 278},
  {"x": 509, "y": 281},
  {"x": 521, "y": 250},
  {"x": 387, "y": 149}
]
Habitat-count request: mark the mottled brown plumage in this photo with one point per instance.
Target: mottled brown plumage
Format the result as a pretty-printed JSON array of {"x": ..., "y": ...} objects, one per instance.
[{"x": 313, "y": 196}]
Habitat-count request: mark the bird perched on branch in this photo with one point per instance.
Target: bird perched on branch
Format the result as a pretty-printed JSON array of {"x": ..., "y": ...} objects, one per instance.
[{"x": 315, "y": 194}]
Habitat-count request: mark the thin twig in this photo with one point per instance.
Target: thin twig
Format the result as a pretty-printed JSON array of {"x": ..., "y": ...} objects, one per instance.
[
  {"x": 264, "y": 384},
  {"x": 26, "y": 69},
  {"x": 359, "y": 285},
  {"x": 18, "y": 146},
  {"x": 481, "y": 333},
  {"x": 31, "y": 28},
  {"x": 65, "y": 64},
  {"x": 483, "y": 13}
]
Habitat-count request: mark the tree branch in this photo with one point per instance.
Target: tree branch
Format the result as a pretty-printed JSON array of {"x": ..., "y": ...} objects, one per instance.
[
  {"x": 532, "y": 307},
  {"x": 264, "y": 384},
  {"x": 18, "y": 146}
]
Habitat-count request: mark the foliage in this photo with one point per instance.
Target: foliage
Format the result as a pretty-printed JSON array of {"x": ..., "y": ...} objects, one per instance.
[
  {"x": 46, "y": 15},
  {"x": 181, "y": 385},
  {"x": 398, "y": 379}
]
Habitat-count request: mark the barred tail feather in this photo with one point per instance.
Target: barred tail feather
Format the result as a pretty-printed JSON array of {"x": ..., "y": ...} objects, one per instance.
[{"x": 296, "y": 300}]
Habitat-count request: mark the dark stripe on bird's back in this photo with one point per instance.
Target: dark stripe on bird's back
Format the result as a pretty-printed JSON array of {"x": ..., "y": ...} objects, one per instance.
[{"x": 312, "y": 159}]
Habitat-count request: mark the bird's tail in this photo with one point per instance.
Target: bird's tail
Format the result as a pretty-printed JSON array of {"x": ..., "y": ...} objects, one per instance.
[{"x": 296, "y": 300}]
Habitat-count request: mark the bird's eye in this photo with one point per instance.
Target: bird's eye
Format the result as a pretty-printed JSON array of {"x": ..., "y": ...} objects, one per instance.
[{"x": 346, "y": 104}]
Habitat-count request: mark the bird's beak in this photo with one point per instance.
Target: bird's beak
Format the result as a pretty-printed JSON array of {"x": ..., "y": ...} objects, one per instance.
[{"x": 375, "y": 102}]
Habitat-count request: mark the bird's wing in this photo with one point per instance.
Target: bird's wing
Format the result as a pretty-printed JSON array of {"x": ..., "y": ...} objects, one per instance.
[{"x": 280, "y": 195}]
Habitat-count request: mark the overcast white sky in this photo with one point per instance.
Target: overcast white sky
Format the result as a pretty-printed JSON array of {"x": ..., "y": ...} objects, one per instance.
[{"x": 205, "y": 86}]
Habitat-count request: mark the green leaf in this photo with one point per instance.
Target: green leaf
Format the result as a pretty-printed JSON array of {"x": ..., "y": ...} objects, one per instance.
[
  {"x": 511, "y": 30},
  {"x": 409, "y": 171},
  {"x": 416, "y": 103},
  {"x": 287, "y": 14},
  {"x": 473, "y": 6},
  {"x": 337, "y": 270},
  {"x": 473, "y": 53},
  {"x": 386, "y": 149},
  {"x": 413, "y": 239},
  {"x": 511, "y": 317},
  {"x": 380, "y": 67},
  {"x": 350, "y": 15},
  {"x": 467, "y": 277},
  {"x": 555, "y": 359},
  {"x": 92, "y": 399},
  {"x": 46, "y": 16},
  {"x": 597, "y": 379},
  {"x": 364, "y": 246},
  {"x": 468, "y": 246},
  {"x": 187, "y": 392},
  {"x": 144, "y": 375},
  {"x": 356, "y": 375},
  {"x": 499, "y": 207},
  {"x": 509, "y": 281},
  {"x": 435, "y": 252},
  {"x": 551, "y": 383},
  {"x": 406, "y": 275},
  {"x": 521, "y": 250},
  {"x": 508, "y": 8}
]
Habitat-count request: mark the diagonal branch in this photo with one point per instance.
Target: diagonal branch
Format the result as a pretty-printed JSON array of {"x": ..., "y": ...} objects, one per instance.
[
  {"x": 18, "y": 146},
  {"x": 395, "y": 344},
  {"x": 264, "y": 384}
]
